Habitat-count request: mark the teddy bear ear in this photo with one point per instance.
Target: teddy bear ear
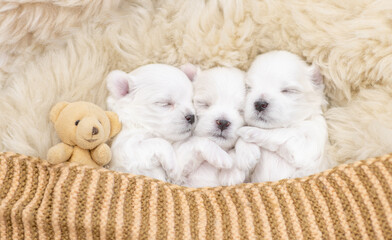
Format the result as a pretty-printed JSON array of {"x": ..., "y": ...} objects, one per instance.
[
  {"x": 115, "y": 124},
  {"x": 190, "y": 70},
  {"x": 55, "y": 111},
  {"x": 118, "y": 83}
]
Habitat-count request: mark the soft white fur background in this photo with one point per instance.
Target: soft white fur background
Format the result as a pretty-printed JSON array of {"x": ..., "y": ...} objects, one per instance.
[{"x": 63, "y": 49}]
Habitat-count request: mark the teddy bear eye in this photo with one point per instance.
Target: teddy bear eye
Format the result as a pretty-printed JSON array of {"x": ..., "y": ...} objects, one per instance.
[{"x": 77, "y": 122}]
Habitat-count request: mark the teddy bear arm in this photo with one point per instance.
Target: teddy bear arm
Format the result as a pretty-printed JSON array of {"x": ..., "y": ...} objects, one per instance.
[
  {"x": 59, "y": 153},
  {"x": 101, "y": 154}
]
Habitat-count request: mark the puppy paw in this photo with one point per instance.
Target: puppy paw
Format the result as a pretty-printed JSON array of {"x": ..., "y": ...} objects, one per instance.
[
  {"x": 247, "y": 155},
  {"x": 223, "y": 160},
  {"x": 249, "y": 134},
  {"x": 168, "y": 161},
  {"x": 219, "y": 158},
  {"x": 162, "y": 152},
  {"x": 232, "y": 176},
  {"x": 213, "y": 154}
]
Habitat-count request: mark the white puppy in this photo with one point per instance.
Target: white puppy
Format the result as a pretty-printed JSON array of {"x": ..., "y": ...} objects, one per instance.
[
  {"x": 284, "y": 111},
  {"x": 154, "y": 104},
  {"x": 219, "y": 95}
]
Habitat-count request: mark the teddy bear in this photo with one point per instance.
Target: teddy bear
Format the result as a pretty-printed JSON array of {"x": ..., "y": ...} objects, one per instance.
[{"x": 83, "y": 128}]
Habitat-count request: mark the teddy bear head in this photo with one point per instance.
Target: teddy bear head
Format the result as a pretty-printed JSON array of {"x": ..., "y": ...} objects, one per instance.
[{"x": 84, "y": 124}]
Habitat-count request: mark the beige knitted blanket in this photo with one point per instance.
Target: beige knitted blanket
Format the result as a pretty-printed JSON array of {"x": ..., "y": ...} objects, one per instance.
[{"x": 39, "y": 201}]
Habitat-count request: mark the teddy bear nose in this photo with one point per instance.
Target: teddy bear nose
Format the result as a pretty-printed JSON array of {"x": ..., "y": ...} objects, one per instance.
[{"x": 95, "y": 131}]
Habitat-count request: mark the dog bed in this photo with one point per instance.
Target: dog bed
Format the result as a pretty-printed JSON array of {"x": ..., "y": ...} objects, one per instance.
[
  {"x": 58, "y": 50},
  {"x": 40, "y": 201}
]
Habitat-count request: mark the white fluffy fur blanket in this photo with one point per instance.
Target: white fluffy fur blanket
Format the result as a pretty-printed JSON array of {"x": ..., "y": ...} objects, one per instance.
[{"x": 62, "y": 50}]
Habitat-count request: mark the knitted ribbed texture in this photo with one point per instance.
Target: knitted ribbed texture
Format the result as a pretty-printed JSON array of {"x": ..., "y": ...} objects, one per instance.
[{"x": 76, "y": 202}]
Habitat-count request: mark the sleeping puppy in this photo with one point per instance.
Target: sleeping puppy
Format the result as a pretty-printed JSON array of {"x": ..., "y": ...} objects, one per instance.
[
  {"x": 284, "y": 112},
  {"x": 154, "y": 104},
  {"x": 219, "y": 94}
]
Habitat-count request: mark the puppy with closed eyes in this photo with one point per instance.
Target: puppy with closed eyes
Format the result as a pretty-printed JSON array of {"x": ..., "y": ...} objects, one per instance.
[
  {"x": 284, "y": 112},
  {"x": 219, "y": 95},
  {"x": 154, "y": 104}
]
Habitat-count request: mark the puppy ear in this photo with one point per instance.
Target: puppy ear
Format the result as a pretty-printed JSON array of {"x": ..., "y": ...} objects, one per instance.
[
  {"x": 115, "y": 124},
  {"x": 190, "y": 70},
  {"x": 317, "y": 78},
  {"x": 118, "y": 83},
  {"x": 247, "y": 86},
  {"x": 56, "y": 110}
]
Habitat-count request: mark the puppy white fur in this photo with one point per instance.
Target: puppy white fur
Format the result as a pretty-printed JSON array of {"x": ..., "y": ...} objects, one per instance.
[
  {"x": 219, "y": 95},
  {"x": 154, "y": 104},
  {"x": 284, "y": 112}
]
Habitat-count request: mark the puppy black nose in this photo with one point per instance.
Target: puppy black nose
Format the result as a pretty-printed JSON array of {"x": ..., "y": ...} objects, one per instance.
[
  {"x": 261, "y": 105},
  {"x": 222, "y": 124},
  {"x": 190, "y": 118},
  {"x": 95, "y": 131}
]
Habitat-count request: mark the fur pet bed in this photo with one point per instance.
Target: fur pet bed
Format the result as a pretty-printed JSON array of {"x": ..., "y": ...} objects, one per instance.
[
  {"x": 39, "y": 201},
  {"x": 62, "y": 50}
]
